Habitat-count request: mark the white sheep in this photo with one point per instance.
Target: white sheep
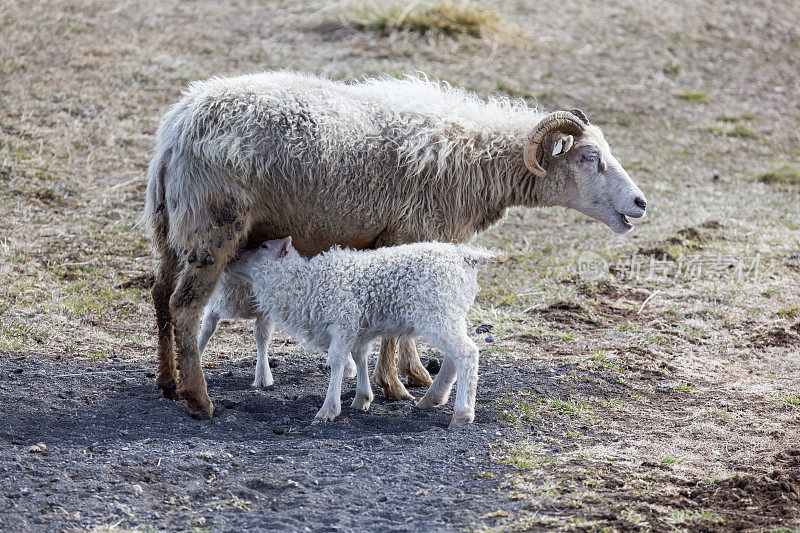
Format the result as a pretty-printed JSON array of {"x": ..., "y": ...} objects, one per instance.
[
  {"x": 376, "y": 163},
  {"x": 343, "y": 299},
  {"x": 233, "y": 298}
]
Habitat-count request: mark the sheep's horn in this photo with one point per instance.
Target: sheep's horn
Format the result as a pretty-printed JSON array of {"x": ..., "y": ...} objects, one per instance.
[
  {"x": 581, "y": 115},
  {"x": 557, "y": 121}
]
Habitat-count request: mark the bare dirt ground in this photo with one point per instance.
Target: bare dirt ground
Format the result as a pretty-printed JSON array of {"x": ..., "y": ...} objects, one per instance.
[{"x": 639, "y": 382}]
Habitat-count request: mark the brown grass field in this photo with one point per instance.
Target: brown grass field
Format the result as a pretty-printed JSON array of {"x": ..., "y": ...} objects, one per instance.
[{"x": 649, "y": 381}]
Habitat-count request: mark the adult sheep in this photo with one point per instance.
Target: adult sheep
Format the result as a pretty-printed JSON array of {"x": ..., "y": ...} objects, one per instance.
[{"x": 381, "y": 162}]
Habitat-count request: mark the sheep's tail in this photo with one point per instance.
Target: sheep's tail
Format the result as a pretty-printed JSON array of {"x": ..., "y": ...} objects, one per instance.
[
  {"x": 155, "y": 212},
  {"x": 473, "y": 255}
]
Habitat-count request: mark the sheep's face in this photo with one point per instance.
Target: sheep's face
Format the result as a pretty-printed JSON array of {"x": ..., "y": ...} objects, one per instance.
[
  {"x": 248, "y": 262},
  {"x": 589, "y": 179}
]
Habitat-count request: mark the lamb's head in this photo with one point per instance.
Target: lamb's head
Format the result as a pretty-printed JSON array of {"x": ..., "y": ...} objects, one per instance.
[
  {"x": 575, "y": 168},
  {"x": 248, "y": 262}
]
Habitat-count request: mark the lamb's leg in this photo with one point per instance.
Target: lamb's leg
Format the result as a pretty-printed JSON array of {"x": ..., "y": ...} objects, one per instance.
[
  {"x": 166, "y": 272},
  {"x": 364, "y": 395},
  {"x": 262, "y": 331},
  {"x": 337, "y": 355},
  {"x": 467, "y": 371},
  {"x": 207, "y": 329},
  {"x": 350, "y": 369},
  {"x": 410, "y": 365},
  {"x": 385, "y": 374},
  {"x": 439, "y": 392}
]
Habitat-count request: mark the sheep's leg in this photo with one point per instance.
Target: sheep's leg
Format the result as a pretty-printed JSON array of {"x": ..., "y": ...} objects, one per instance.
[
  {"x": 337, "y": 355},
  {"x": 207, "y": 329},
  {"x": 364, "y": 395},
  {"x": 439, "y": 392},
  {"x": 410, "y": 365},
  {"x": 205, "y": 261},
  {"x": 168, "y": 268},
  {"x": 262, "y": 331},
  {"x": 385, "y": 374}
]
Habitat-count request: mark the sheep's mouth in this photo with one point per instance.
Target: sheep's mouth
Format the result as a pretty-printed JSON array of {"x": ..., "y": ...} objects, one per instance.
[{"x": 624, "y": 220}]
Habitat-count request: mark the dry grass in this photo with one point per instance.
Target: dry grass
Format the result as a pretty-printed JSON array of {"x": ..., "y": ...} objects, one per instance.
[{"x": 439, "y": 17}]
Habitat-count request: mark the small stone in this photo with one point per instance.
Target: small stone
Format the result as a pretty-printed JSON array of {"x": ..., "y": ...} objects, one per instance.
[
  {"x": 278, "y": 430},
  {"x": 137, "y": 489},
  {"x": 484, "y": 328},
  {"x": 17, "y": 371},
  {"x": 433, "y": 366},
  {"x": 489, "y": 338},
  {"x": 38, "y": 448}
]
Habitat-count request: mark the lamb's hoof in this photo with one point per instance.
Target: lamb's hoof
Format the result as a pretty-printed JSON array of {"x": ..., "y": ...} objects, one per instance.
[
  {"x": 263, "y": 383},
  {"x": 361, "y": 402},
  {"x": 418, "y": 377},
  {"x": 429, "y": 402},
  {"x": 200, "y": 410},
  {"x": 169, "y": 390},
  {"x": 461, "y": 419},
  {"x": 395, "y": 390},
  {"x": 326, "y": 414}
]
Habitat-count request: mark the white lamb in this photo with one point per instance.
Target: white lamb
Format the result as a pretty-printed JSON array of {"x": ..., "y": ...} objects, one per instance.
[
  {"x": 233, "y": 298},
  {"x": 342, "y": 300}
]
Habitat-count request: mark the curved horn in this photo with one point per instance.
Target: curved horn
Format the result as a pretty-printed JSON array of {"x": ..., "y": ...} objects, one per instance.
[
  {"x": 556, "y": 121},
  {"x": 581, "y": 115}
]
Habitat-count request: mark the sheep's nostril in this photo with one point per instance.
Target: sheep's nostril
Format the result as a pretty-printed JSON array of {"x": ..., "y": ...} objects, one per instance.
[{"x": 641, "y": 202}]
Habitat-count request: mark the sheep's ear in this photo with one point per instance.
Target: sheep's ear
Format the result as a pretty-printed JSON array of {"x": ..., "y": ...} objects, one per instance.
[
  {"x": 286, "y": 245},
  {"x": 562, "y": 144}
]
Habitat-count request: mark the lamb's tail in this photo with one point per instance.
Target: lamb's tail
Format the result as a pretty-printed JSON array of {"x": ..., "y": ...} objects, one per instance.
[{"x": 474, "y": 255}]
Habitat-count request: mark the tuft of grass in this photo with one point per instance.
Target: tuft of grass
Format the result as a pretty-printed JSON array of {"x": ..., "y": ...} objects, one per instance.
[
  {"x": 685, "y": 387},
  {"x": 679, "y": 516},
  {"x": 692, "y": 96},
  {"x": 743, "y": 132},
  {"x": 443, "y": 17},
  {"x": 785, "y": 173},
  {"x": 671, "y": 67}
]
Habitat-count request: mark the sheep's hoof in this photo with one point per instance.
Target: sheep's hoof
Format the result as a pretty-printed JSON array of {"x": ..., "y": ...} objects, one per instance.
[
  {"x": 418, "y": 377},
  {"x": 361, "y": 402},
  {"x": 200, "y": 410},
  {"x": 394, "y": 390},
  {"x": 169, "y": 390},
  {"x": 461, "y": 419}
]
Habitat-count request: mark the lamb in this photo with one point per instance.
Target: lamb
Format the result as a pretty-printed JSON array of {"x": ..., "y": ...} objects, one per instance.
[
  {"x": 233, "y": 298},
  {"x": 341, "y": 300},
  {"x": 363, "y": 165}
]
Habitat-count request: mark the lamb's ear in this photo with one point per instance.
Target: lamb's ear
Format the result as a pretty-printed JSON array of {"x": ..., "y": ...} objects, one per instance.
[
  {"x": 286, "y": 245},
  {"x": 562, "y": 144}
]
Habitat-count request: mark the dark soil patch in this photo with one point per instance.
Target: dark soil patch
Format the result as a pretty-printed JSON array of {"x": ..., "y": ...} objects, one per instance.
[
  {"x": 776, "y": 337},
  {"x": 566, "y": 313},
  {"x": 142, "y": 281},
  {"x": 754, "y": 499},
  {"x": 658, "y": 252},
  {"x": 610, "y": 291},
  {"x": 114, "y": 451},
  {"x": 712, "y": 224}
]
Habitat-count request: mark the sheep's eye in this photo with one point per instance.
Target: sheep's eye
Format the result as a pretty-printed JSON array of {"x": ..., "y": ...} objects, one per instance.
[{"x": 590, "y": 157}]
